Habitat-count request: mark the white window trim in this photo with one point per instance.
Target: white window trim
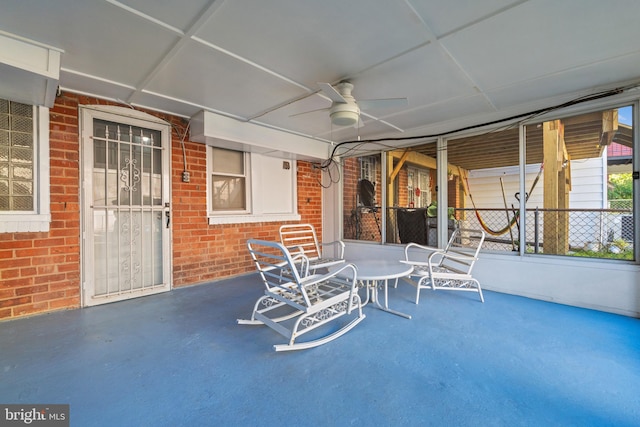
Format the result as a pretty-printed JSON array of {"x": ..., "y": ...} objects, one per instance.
[
  {"x": 39, "y": 219},
  {"x": 252, "y": 215},
  {"x": 249, "y": 218}
]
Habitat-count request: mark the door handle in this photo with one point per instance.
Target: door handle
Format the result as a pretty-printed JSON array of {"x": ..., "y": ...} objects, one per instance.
[{"x": 168, "y": 215}]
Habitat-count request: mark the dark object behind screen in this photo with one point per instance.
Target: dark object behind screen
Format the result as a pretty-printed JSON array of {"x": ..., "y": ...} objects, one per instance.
[
  {"x": 367, "y": 192},
  {"x": 412, "y": 226}
]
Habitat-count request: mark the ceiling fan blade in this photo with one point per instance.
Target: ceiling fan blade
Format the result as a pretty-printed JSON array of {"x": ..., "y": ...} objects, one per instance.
[
  {"x": 367, "y": 104},
  {"x": 331, "y": 92},
  {"x": 310, "y": 111}
]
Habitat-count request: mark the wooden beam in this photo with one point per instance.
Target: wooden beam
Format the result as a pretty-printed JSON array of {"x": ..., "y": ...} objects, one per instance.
[
  {"x": 557, "y": 183},
  {"x": 390, "y": 179},
  {"x": 463, "y": 177},
  {"x": 421, "y": 160},
  {"x": 552, "y": 164},
  {"x": 551, "y": 168},
  {"x": 415, "y": 158},
  {"x": 564, "y": 186},
  {"x": 609, "y": 128},
  {"x": 398, "y": 167}
]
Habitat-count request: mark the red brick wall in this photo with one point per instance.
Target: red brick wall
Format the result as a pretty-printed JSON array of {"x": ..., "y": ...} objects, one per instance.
[
  {"x": 360, "y": 224},
  {"x": 40, "y": 272},
  {"x": 203, "y": 252},
  {"x": 402, "y": 198},
  {"x": 310, "y": 195},
  {"x": 350, "y": 176}
]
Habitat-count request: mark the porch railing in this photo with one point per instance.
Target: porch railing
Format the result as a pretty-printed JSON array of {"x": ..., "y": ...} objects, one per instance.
[{"x": 599, "y": 233}]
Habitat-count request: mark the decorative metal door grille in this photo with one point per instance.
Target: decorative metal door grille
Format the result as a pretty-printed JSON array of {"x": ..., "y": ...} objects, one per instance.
[{"x": 127, "y": 209}]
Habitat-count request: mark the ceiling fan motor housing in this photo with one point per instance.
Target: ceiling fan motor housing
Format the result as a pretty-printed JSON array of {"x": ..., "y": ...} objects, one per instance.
[{"x": 345, "y": 113}]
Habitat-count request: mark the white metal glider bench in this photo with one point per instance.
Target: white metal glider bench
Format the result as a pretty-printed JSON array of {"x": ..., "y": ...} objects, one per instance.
[
  {"x": 302, "y": 238},
  {"x": 446, "y": 269},
  {"x": 293, "y": 306}
]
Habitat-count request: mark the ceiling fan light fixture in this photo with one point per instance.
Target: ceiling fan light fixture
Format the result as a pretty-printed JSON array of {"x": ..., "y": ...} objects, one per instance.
[
  {"x": 344, "y": 118},
  {"x": 344, "y": 114}
]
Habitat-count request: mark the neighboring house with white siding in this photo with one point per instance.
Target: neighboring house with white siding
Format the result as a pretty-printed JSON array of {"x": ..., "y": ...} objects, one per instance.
[{"x": 588, "y": 192}]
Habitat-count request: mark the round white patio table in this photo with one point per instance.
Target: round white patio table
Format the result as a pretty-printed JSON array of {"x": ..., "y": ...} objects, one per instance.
[{"x": 376, "y": 273}]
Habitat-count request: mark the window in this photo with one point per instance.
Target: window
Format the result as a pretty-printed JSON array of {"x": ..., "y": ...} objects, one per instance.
[
  {"x": 368, "y": 168},
  {"x": 483, "y": 188},
  {"x": 24, "y": 167},
  {"x": 584, "y": 207},
  {"x": 573, "y": 196},
  {"x": 250, "y": 187},
  {"x": 16, "y": 156},
  {"x": 229, "y": 181},
  {"x": 361, "y": 198},
  {"x": 411, "y": 208},
  {"x": 419, "y": 187}
]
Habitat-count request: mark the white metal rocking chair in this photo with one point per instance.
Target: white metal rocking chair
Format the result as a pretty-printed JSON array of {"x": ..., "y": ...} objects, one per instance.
[
  {"x": 446, "y": 269},
  {"x": 302, "y": 238},
  {"x": 299, "y": 303}
]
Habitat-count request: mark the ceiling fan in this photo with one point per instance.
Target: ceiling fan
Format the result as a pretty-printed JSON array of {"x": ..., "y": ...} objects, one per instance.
[{"x": 345, "y": 110}]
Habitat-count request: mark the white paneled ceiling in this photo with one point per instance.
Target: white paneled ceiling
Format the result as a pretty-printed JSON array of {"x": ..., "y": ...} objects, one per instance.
[{"x": 458, "y": 63}]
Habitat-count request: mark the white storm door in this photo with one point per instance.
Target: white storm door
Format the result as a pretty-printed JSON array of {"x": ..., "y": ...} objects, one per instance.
[{"x": 126, "y": 216}]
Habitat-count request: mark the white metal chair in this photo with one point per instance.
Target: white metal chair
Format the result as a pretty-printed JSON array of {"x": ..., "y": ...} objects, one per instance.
[
  {"x": 302, "y": 238},
  {"x": 450, "y": 268},
  {"x": 295, "y": 305}
]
